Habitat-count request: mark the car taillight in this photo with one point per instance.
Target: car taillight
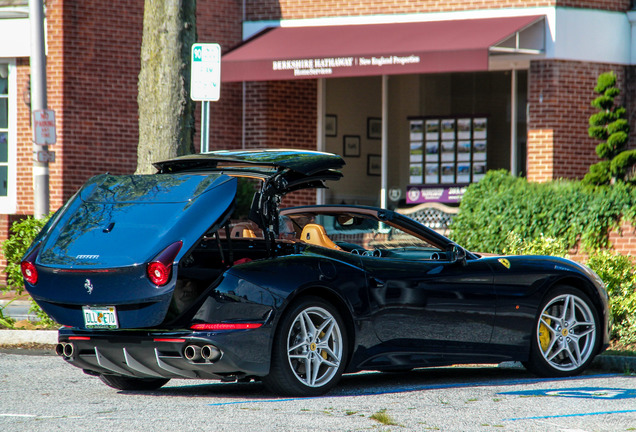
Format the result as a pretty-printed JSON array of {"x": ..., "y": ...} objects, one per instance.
[
  {"x": 29, "y": 272},
  {"x": 159, "y": 269}
]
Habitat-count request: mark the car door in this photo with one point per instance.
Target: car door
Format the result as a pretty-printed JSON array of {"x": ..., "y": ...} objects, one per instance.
[{"x": 438, "y": 305}]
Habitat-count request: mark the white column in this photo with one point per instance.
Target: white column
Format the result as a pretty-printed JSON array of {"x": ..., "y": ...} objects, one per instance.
[
  {"x": 385, "y": 141},
  {"x": 514, "y": 169}
]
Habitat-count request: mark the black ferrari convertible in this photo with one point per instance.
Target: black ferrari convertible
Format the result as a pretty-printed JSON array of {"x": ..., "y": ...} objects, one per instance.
[{"x": 163, "y": 276}]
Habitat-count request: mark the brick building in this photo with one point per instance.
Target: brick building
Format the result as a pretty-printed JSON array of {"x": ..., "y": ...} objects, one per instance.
[{"x": 420, "y": 96}]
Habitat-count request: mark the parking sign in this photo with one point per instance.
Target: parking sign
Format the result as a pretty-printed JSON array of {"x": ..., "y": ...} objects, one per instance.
[
  {"x": 44, "y": 125},
  {"x": 206, "y": 72}
]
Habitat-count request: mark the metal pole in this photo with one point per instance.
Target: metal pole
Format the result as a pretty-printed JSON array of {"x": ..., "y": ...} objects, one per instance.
[
  {"x": 205, "y": 126},
  {"x": 320, "y": 126},
  {"x": 514, "y": 169},
  {"x": 385, "y": 140},
  {"x": 38, "y": 102}
]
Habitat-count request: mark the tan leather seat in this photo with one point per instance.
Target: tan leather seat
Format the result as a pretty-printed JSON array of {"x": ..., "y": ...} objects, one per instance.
[
  {"x": 240, "y": 231},
  {"x": 315, "y": 234}
]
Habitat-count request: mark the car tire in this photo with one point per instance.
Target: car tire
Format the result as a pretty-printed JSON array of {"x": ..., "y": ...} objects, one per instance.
[
  {"x": 566, "y": 334},
  {"x": 309, "y": 351},
  {"x": 128, "y": 383}
]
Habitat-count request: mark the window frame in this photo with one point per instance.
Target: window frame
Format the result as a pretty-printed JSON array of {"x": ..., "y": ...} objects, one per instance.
[{"x": 8, "y": 204}]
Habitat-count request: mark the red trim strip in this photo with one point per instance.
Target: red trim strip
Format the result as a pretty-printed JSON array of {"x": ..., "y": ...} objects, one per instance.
[{"x": 226, "y": 326}]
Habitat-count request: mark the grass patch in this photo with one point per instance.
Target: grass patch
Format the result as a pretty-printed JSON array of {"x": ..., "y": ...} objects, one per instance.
[{"x": 384, "y": 418}]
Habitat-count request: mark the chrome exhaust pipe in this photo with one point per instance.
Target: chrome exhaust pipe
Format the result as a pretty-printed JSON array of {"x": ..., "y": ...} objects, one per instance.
[
  {"x": 192, "y": 352},
  {"x": 210, "y": 353},
  {"x": 64, "y": 349},
  {"x": 69, "y": 348}
]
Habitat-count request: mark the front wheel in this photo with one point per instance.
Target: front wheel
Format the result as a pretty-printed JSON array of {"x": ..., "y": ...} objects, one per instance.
[
  {"x": 309, "y": 351},
  {"x": 129, "y": 383},
  {"x": 566, "y": 334}
]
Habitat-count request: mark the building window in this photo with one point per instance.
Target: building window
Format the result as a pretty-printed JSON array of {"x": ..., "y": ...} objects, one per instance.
[
  {"x": 8, "y": 124},
  {"x": 4, "y": 128}
]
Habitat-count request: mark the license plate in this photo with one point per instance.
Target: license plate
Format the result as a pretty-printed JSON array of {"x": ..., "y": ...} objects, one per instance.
[{"x": 102, "y": 317}]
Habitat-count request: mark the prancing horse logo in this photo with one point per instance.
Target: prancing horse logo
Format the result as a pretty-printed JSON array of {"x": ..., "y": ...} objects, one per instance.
[{"x": 89, "y": 286}]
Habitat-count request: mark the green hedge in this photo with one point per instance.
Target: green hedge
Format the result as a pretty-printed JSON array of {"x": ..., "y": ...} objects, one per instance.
[{"x": 566, "y": 210}]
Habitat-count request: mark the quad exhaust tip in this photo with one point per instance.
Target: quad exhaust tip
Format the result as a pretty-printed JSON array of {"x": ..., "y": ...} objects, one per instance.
[
  {"x": 209, "y": 353},
  {"x": 192, "y": 352},
  {"x": 65, "y": 349}
]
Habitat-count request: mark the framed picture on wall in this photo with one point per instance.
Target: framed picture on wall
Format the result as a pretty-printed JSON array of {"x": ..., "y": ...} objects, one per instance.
[
  {"x": 374, "y": 165},
  {"x": 331, "y": 125},
  {"x": 351, "y": 146},
  {"x": 374, "y": 128}
]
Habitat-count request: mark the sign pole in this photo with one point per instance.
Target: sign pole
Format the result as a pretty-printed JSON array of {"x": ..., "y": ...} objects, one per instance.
[
  {"x": 38, "y": 102},
  {"x": 205, "y": 126},
  {"x": 205, "y": 83}
]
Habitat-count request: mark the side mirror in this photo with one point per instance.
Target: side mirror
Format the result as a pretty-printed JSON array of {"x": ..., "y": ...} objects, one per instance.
[{"x": 456, "y": 254}]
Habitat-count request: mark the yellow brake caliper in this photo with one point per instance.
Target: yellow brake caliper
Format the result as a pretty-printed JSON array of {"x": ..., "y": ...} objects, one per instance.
[
  {"x": 545, "y": 335},
  {"x": 323, "y": 353}
]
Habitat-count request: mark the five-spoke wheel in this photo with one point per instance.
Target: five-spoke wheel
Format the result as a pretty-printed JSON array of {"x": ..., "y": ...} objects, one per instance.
[
  {"x": 310, "y": 350},
  {"x": 566, "y": 334}
]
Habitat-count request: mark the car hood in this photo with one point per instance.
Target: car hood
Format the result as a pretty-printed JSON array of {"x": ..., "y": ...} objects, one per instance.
[{"x": 117, "y": 221}]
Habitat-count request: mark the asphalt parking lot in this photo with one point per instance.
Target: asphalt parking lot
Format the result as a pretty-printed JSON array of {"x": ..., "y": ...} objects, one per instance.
[{"x": 42, "y": 393}]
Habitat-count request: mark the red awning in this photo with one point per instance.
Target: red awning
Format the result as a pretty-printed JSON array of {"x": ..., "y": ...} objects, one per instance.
[{"x": 286, "y": 53}]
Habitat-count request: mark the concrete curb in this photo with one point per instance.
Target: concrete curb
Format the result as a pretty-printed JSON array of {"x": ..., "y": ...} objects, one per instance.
[
  {"x": 614, "y": 363},
  {"x": 9, "y": 338}
]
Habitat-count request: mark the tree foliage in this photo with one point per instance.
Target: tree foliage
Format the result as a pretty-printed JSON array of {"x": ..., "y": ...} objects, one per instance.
[
  {"x": 166, "y": 112},
  {"x": 612, "y": 129}
]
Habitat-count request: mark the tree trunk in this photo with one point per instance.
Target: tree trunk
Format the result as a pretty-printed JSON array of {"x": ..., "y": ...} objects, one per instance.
[{"x": 166, "y": 112}]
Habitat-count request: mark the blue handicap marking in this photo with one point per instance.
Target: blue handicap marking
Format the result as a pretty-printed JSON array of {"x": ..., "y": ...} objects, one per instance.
[{"x": 580, "y": 392}]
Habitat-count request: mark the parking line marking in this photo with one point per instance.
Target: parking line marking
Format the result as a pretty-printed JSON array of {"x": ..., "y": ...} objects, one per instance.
[
  {"x": 419, "y": 388},
  {"x": 571, "y": 415}
]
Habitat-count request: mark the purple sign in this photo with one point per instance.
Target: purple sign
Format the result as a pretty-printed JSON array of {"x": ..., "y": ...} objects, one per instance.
[{"x": 448, "y": 194}]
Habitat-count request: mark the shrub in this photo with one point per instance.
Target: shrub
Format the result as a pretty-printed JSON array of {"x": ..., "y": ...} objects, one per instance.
[
  {"x": 619, "y": 274},
  {"x": 610, "y": 127},
  {"x": 23, "y": 232},
  {"x": 515, "y": 245},
  {"x": 566, "y": 210}
]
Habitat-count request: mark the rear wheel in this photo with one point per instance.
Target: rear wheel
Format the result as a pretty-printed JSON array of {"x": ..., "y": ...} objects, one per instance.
[
  {"x": 566, "y": 334},
  {"x": 128, "y": 383},
  {"x": 310, "y": 350}
]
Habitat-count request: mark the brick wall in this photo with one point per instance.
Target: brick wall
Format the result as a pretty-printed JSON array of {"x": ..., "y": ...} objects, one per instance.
[
  {"x": 282, "y": 114},
  {"x": 220, "y": 22},
  {"x": 298, "y": 9},
  {"x": 559, "y": 97},
  {"x": 92, "y": 66},
  {"x": 24, "y": 181},
  {"x": 622, "y": 241}
]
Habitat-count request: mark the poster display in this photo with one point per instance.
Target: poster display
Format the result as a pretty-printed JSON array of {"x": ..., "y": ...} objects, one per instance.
[{"x": 447, "y": 150}]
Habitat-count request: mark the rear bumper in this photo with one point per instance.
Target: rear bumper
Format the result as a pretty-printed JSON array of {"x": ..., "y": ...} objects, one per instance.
[{"x": 145, "y": 354}]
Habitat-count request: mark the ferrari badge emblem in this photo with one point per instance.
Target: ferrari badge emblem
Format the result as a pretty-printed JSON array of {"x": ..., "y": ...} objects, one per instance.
[
  {"x": 89, "y": 286},
  {"x": 504, "y": 262}
]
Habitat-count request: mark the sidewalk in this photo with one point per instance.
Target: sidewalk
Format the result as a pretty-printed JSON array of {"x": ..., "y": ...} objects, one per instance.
[{"x": 19, "y": 310}]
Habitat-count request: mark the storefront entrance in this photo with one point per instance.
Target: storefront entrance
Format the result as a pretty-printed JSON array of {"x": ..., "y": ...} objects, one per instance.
[{"x": 444, "y": 131}]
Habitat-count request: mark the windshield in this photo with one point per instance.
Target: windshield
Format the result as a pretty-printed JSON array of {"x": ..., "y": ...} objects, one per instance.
[{"x": 358, "y": 232}]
